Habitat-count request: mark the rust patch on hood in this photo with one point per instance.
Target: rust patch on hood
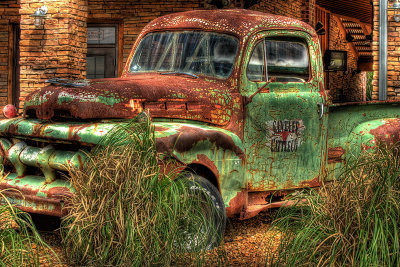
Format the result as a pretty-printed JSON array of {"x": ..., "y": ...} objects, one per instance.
[{"x": 164, "y": 96}]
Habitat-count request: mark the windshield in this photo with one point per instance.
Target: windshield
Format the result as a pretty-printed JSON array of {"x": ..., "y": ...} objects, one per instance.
[{"x": 205, "y": 53}]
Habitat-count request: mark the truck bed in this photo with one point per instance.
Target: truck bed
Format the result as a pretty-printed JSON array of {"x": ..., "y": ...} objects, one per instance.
[{"x": 357, "y": 126}]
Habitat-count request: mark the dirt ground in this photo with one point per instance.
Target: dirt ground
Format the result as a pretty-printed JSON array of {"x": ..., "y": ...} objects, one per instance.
[{"x": 245, "y": 242}]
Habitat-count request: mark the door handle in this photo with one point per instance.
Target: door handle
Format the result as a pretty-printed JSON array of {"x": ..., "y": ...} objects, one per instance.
[{"x": 321, "y": 110}]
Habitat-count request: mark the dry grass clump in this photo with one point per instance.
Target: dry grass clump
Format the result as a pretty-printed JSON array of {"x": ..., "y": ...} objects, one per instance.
[
  {"x": 125, "y": 212},
  {"x": 20, "y": 243},
  {"x": 352, "y": 221}
]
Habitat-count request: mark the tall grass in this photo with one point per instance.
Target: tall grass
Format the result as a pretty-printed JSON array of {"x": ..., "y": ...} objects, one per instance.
[
  {"x": 20, "y": 243},
  {"x": 352, "y": 221},
  {"x": 126, "y": 211}
]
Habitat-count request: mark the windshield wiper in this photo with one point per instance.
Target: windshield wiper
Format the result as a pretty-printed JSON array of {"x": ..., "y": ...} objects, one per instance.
[{"x": 180, "y": 72}]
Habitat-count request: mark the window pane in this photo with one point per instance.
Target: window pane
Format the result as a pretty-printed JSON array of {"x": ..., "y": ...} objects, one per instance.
[
  {"x": 95, "y": 67},
  {"x": 255, "y": 68},
  {"x": 90, "y": 67},
  {"x": 100, "y": 65},
  {"x": 211, "y": 54},
  {"x": 287, "y": 60},
  {"x": 101, "y": 35}
]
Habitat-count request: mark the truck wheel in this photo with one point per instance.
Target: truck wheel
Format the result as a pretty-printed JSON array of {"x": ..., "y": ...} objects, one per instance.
[{"x": 210, "y": 234}]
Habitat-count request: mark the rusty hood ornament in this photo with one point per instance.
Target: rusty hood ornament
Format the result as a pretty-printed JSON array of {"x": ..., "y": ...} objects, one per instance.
[{"x": 168, "y": 96}]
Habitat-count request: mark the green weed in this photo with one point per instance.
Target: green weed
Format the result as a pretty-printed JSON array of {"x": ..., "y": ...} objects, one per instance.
[
  {"x": 127, "y": 212},
  {"x": 352, "y": 221},
  {"x": 20, "y": 243}
]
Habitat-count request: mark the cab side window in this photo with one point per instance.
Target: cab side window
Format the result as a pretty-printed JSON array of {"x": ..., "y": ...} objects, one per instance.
[{"x": 286, "y": 59}]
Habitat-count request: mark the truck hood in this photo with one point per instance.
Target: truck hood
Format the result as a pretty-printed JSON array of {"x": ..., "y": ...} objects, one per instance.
[{"x": 168, "y": 96}]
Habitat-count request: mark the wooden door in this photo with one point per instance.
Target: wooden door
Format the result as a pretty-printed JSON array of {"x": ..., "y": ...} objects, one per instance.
[{"x": 13, "y": 63}]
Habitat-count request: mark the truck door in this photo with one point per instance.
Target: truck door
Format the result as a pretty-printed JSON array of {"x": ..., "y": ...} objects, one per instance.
[{"x": 285, "y": 129}]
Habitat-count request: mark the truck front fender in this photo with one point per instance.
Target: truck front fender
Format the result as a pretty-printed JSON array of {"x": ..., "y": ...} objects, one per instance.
[{"x": 219, "y": 150}]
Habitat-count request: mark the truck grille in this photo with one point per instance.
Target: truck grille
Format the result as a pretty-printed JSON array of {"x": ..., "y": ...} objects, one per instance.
[{"x": 35, "y": 157}]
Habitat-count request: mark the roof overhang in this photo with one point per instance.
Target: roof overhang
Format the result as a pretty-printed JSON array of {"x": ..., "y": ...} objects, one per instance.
[{"x": 360, "y": 10}]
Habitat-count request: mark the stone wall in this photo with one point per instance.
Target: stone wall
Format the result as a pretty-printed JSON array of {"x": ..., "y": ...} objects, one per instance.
[
  {"x": 55, "y": 49},
  {"x": 308, "y": 12},
  {"x": 350, "y": 85},
  {"x": 9, "y": 13},
  {"x": 134, "y": 15},
  {"x": 291, "y": 8},
  {"x": 58, "y": 48},
  {"x": 393, "y": 53}
]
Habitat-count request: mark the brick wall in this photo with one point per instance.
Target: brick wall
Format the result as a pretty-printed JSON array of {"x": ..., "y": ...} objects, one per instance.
[
  {"x": 375, "y": 49},
  {"x": 55, "y": 49},
  {"x": 291, "y": 8},
  {"x": 307, "y": 12},
  {"x": 393, "y": 53},
  {"x": 393, "y": 60},
  {"x": 134, "y": 15},
  {"x": 9, "y": 13},
  {"x": 58, "y": 48},
  {"x": 350, "y": 85}
]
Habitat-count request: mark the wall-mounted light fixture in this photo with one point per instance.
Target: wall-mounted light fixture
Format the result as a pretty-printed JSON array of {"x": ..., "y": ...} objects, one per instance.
[
  {"x": 396, "y": 8},
  {"x": 39, "y": 15}
]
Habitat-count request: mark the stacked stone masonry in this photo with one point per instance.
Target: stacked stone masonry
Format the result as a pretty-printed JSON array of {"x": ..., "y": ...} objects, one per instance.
[
  {"x": 134, "y": 15},
  {"x": 55, "y": 49},
  {"x": 393, "y": 53},
  {"x": 307, "y": 12},
  {"x": 344, "y": 86},
  {"x": 375, "y": 49}
]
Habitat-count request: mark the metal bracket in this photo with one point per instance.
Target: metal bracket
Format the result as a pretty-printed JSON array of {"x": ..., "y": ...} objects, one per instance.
[{"x": 321, "y": 110}]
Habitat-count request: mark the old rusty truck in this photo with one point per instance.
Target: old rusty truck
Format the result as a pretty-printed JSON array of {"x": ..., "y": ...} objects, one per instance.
[{"x": 235, "y": 96}]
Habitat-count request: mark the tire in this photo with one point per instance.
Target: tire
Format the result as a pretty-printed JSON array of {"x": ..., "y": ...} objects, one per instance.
[
  {"x": 211, "y": 233},
  {"x": 40, "y": 221}
]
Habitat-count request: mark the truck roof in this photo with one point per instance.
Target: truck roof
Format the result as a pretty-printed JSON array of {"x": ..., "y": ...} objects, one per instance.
[{"x": 240, "y": 22}]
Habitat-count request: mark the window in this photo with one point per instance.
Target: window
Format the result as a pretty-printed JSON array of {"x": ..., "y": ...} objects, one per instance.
[
  {"x": 286, "y": 60},
  {"x": 101, "y": 58},
  {"x": 101, "y": 35},
  {"x": 206, "y": 53}
]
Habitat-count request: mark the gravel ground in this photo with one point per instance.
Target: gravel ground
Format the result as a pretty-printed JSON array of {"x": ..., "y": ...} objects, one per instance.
[{"x": 244, "y": 242}]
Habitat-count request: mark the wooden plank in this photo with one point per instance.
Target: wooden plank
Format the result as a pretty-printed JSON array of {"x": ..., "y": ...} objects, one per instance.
[
  {"x": 10, "y": 63},
  {"x": 324, "y": 39},
  {"x": 120, "y": 48},
  {"x": 322, "y": 16}
]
